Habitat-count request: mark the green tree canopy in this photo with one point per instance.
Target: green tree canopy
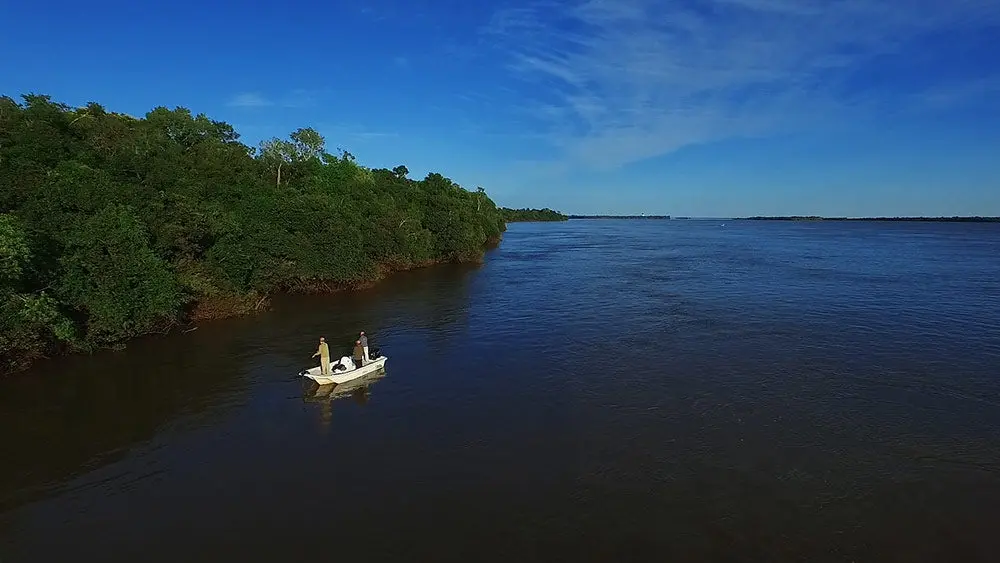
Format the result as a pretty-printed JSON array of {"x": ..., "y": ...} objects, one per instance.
[{"x": 112, "y": 226}]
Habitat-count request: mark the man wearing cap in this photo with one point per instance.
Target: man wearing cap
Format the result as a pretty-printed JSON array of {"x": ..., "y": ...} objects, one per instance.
[{"x": 324, "y": 356}]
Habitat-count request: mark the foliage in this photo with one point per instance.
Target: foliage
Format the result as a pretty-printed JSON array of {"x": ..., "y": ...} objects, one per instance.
[
  {"x": 28, "y": 321},
  {"x": 112, "y": 276},
  {"x": 546, "y": 214},
  {"x": 113, "y": 226}
]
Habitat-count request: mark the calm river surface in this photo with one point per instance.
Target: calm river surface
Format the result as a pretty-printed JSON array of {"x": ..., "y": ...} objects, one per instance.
[{"x": 596, "y": 391}]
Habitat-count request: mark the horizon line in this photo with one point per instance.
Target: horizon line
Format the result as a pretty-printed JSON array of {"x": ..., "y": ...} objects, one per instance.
[{"x": 789, "y": 217}]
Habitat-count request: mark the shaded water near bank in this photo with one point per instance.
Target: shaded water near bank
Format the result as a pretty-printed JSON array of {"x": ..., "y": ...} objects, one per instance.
[{"x": 597, "y": 390}]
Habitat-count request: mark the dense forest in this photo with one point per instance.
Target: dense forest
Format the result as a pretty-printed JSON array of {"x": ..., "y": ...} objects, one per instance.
[
  {"x": 113, "y": 226},
  {"x": 524, "y": 215}
]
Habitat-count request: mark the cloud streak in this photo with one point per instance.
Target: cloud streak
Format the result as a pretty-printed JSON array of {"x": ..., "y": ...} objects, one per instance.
[
  {"x": 298, "y": 98},
  {"x": 249, "y": 100},
  {"x": 618, "y": 81},
  {"x": 353, "y": 133}
]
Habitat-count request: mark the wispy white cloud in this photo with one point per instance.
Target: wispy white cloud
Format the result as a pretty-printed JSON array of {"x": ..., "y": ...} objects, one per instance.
[
  {"x": 352, "y": 133},
  {"x": 249, "y": 100},
  {"x": 616, "y": 81},
  {"x": 297, "y": 98}
]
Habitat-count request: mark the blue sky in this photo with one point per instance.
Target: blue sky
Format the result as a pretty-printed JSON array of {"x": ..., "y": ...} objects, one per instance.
[{"x": 689, "y": 107}]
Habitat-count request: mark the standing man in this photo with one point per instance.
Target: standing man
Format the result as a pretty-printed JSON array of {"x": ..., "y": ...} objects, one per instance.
[
  {"x": 324, "y": 356},
  {"x": 364, "y": 345},
  {"x": 359, "y": 354}
]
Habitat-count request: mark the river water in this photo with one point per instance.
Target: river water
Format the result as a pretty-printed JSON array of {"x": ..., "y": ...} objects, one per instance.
[{"x": 595, "y": 391}]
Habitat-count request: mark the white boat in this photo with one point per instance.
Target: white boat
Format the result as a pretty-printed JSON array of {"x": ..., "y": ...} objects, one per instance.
[
  {"x": 343, "y": 370},
  {"x": 327, "y": 393}
]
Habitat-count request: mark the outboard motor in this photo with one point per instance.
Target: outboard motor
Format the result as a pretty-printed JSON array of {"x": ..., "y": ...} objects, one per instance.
[{"x": 373, "y": 352}]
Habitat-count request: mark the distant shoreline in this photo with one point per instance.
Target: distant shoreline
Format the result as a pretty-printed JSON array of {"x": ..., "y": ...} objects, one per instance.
[
  {"x": 619, "y": 216},
  {"x": 955, "y": 219},
  {"x": 526, "y": 215}
]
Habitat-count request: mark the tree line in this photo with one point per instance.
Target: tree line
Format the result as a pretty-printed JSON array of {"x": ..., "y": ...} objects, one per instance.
[
  {"x": 113, "y": 226},
  {"x": 524, "y": 215}
]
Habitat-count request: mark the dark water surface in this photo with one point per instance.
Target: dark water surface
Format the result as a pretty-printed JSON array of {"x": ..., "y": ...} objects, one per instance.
[{"x": 596, "y": 391}]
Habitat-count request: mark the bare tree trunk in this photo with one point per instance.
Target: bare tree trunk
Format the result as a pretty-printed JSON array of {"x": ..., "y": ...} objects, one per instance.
[{"x": 279, "y": 176}]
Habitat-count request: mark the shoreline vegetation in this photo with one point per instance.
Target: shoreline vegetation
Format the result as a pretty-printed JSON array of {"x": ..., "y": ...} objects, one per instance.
[
  {"x": 531, "y": 215},
  {"x": 956, "y": 219},
  {"x": 114, "y": 227}
]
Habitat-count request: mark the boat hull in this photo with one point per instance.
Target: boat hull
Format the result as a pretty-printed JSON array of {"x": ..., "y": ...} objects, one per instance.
[{"x": 316, "y": 374}]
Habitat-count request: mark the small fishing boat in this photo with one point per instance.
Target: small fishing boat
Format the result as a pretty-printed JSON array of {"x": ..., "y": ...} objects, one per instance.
[
  {"x": 344, "y": 370},
  {"x": 358, "y": 388}
]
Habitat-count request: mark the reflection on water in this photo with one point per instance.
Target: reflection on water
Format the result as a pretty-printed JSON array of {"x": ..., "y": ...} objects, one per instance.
[
  {"x": 432, "y": 301},
  {"x": 359, "y": 390},
  {"x": 72, "y": 415}
]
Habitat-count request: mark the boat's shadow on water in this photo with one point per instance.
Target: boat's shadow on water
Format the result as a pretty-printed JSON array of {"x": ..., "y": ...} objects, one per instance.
[{"x": 359, "y": 390}]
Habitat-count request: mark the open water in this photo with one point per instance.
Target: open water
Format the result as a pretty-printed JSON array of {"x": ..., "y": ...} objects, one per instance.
[{"x": 595, "y": 391}]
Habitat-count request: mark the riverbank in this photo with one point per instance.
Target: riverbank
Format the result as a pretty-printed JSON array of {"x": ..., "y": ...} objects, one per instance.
[
  {"x": 229, "y": 306},
  {"x": 115, "y": 226},
  {"x": 222, "y": 307},
  {"x": 531, "y": 215}
]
